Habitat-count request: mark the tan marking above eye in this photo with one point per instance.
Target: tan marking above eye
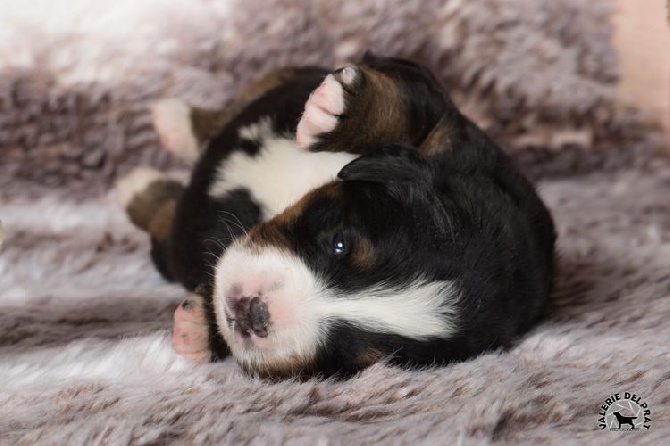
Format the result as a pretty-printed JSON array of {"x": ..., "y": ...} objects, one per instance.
[
  {"x": 271, "y": 232},
  {"x": 437, "y": 141},
  {"x": 363, "y": 254},
  {"x": 265, "y": 235},
  {"x": 332, "y": 190}
]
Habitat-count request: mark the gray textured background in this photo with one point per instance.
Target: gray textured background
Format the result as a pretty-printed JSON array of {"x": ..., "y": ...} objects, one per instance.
[{"x": 84, "y": 319}]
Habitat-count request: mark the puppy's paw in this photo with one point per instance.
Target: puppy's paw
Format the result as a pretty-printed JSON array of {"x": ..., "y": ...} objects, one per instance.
[
  {"x": 135, "y": 183},
  {"x": 324, "y": 107},
  {"x": 173, "y": 123},
  {"x": 149, "y": 198},
  {"x": 190, "y": 336}
]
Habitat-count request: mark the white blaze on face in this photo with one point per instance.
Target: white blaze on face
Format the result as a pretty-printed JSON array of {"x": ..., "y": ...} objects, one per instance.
[
  {"x": 302, "y": 308},
  {"x": 290, "y": 291}
]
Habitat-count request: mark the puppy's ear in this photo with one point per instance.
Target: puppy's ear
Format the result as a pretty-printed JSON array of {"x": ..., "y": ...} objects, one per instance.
[
  {"x": 368, "y": 57},
  {"x": 391, "y": 165}
]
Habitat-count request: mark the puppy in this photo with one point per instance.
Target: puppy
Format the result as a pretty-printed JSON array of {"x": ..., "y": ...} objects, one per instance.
[{"x": 429, "y": 247}]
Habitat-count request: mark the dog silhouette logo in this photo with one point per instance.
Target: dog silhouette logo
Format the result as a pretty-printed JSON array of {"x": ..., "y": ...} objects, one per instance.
[
  {"x": 624, "y": 420},
  {"x": 624, "y": 412}
]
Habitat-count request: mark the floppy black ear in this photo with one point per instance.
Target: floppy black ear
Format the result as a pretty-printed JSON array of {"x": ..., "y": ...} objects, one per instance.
[
  {"x": 368, "y": 57},
  {"x": 392, "y": 164}
]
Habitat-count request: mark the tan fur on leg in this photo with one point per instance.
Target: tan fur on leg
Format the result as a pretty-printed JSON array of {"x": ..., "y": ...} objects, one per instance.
[{"x": 144, "y": 192}]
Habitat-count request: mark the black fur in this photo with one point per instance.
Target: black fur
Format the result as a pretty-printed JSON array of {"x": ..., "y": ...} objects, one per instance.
[
  {"x": 464, "y": 214},
  {"x": 205, "y": 226}
]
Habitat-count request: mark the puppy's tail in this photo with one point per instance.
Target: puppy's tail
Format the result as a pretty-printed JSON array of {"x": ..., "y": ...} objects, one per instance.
[{"x": 150, "y": 200}]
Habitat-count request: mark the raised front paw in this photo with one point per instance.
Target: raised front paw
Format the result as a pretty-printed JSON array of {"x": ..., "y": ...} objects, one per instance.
[
  {"x": 190, "y": 337},
  {"x": 324, "y": 107}
]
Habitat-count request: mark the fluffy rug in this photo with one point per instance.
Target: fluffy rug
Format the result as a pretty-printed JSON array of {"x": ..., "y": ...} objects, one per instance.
[{"x": 85, "y": 321}]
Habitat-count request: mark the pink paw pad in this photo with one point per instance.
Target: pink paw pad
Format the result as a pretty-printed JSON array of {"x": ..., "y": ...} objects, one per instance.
[
  {"x": 190, "y": 336},
  {"x": 321, "y": 113}
]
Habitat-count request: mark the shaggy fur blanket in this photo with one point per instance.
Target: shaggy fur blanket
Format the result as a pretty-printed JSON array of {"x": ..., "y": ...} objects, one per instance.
[{"x": 85, "y": 320}]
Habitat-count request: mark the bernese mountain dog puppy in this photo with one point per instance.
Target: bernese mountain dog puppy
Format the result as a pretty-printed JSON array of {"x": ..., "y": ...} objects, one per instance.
[{"x": 384, "y": 225}]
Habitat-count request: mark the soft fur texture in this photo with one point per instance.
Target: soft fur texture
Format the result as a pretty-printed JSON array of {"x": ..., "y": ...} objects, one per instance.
[
  {"x": 76, "y": 77},
  {"x": 85, "y": 321},
  {"x": 430, "y": 250},
  {"x": 85, "y": 357}
]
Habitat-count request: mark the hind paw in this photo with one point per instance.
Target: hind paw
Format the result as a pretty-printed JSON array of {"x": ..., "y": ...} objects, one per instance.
[
  {"x": 172, "y": 121},
  {"x": 135, "y": 183}
]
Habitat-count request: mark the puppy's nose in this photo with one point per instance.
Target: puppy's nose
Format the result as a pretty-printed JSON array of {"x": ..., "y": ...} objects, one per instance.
[{"x": 251, "y": 315}]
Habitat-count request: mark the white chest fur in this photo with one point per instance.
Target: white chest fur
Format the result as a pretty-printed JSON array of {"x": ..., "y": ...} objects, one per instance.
[{"x": 279, "y": 174}]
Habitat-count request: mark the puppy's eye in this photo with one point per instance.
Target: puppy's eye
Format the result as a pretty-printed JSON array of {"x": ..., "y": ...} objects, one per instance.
[{"x": 339, "y": 245}]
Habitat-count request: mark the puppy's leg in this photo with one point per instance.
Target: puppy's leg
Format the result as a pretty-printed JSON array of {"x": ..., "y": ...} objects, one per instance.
[
  {"x": 143, "y": 192},
  {"x": 184, "y": 130},
  {"x": 149, "y": 199},
  {"x": 323, "y": 109},
  {"x": 172, "y": 119}
]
